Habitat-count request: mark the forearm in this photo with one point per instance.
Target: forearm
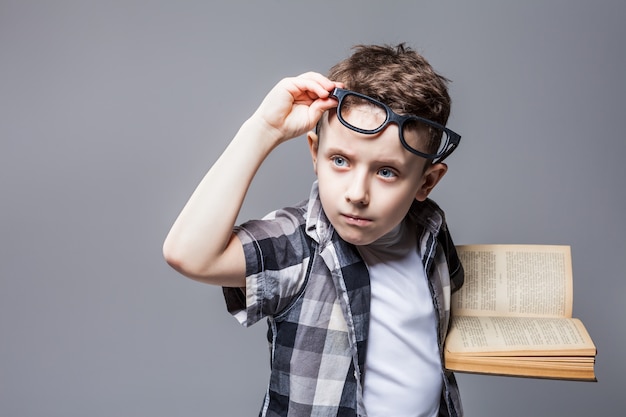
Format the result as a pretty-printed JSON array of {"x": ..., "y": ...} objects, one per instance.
[
  {"x": 197, "y": 242},
  {"x": 201, "y": 244}
]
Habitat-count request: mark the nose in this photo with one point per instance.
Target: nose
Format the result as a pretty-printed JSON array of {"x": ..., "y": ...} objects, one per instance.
[{"x": 358, "y": 190}]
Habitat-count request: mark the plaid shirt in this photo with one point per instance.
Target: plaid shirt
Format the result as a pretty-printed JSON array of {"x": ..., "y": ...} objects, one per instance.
[{"x": 313, "y": 287}]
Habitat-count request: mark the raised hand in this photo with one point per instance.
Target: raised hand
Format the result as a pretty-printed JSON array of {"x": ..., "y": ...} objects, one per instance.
[
  {"x": 201, "y": 244},
  {"x": 295, "y": 104}
]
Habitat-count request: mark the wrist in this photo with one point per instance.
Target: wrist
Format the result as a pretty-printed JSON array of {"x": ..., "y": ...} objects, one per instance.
[
  {"x": 257, "y": 137},
  {"x": 263, "y": 133}
]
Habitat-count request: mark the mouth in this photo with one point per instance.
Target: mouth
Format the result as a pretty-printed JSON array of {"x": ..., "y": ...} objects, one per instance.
[{"x": 355, "y": 220}]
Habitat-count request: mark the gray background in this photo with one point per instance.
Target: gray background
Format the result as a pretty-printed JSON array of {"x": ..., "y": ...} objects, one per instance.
[{"x": 111, "y": 112}]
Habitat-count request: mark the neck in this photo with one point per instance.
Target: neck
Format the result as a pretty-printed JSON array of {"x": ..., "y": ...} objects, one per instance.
[{"x": 397, "y": 241}]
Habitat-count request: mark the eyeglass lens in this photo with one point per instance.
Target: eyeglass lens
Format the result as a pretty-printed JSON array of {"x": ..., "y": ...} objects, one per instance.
[{"x": 368, "y": 115}]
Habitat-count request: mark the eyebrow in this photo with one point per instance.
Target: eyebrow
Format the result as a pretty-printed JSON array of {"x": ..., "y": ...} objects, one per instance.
[
  {"x": 336, "y": 150},
  {"x": 394, "y": 162}
]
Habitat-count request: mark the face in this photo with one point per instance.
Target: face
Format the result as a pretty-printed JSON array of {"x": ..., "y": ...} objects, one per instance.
[{"x": 367, "y": 183}]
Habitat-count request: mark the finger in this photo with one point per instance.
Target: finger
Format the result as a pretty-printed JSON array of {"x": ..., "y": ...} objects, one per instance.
[
  {"x": 317, "y": 77},
  {"x": 312, "y": 82},
  {"x": 319, "y": 106},
  {"x": 326, "y": 82}
]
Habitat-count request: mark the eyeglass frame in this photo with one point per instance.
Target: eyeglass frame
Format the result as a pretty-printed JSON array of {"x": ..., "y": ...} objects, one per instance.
[{"x": 392, "y": 117}]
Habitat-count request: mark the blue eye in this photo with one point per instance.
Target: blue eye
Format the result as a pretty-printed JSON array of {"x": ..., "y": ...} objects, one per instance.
[
  {"x": 386, "y": 173},
  {"x": 339, "y": 161}
]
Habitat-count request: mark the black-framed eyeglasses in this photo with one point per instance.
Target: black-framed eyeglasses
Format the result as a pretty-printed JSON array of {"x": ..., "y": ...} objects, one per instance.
[{"x": 418, "y": 135}]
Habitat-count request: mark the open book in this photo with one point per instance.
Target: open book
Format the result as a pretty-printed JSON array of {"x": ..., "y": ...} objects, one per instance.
[{"x": 513, "y": 315}]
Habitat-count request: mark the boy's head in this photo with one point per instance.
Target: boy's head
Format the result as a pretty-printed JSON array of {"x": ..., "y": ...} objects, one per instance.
[
  {"x": 368, "y": 180},
  {"x": 397, "y": 76}
]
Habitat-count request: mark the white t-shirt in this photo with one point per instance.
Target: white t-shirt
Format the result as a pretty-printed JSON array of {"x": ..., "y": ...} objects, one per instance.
[{"x": 403, "y": 367}]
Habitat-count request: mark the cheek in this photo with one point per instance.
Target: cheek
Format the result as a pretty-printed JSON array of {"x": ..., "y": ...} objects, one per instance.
[
  {"x": 326, "y": 176},
  {"x": 396, "y": 205},
  {"x": 328, "y": 188}
]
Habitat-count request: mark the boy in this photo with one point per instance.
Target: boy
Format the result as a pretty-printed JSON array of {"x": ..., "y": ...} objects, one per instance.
[{"x": 355, "y": 282}]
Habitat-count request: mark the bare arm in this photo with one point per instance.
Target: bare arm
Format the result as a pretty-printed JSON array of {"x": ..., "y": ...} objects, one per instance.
[{"x": 201, "y": 244}]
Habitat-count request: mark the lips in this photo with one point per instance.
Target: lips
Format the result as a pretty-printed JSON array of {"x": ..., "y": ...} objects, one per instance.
[{"x": 356, "y": 220}]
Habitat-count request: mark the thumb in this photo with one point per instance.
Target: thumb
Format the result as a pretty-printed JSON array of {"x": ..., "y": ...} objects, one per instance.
[{"x": 319, "y": 106}]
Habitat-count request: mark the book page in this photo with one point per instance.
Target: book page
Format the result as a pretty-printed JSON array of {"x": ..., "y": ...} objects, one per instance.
[
  {"x": 490, "y": 335},
  {"x": 515, "y": 280}
]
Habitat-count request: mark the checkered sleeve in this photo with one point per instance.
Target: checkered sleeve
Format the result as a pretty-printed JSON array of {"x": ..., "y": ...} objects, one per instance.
[{"x": 277, "y": 251}]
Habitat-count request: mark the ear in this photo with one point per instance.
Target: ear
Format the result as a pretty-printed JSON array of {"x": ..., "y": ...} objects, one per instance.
[
  {"x": 313, "y": 140},
  {"x": 432, "y": 175}
]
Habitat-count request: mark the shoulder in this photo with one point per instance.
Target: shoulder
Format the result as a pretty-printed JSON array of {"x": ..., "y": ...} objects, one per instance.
[{"x": 430, "y": 216}]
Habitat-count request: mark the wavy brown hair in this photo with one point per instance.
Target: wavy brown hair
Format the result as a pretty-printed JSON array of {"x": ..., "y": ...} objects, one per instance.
[{"x": 399, "y": 77}]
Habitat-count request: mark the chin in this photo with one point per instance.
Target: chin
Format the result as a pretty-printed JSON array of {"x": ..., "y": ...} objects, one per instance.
[{"x": 358, "y": 240}]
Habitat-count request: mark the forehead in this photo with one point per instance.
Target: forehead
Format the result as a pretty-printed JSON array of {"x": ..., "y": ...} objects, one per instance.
[
  {"x": 369, "y": 115},
  {"x": 380, "y": 147},
  {"x": 364, "y": 115}
]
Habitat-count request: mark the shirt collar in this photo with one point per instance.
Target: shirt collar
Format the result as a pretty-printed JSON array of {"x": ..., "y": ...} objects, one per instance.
[{"x": 318, "y": 226}]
